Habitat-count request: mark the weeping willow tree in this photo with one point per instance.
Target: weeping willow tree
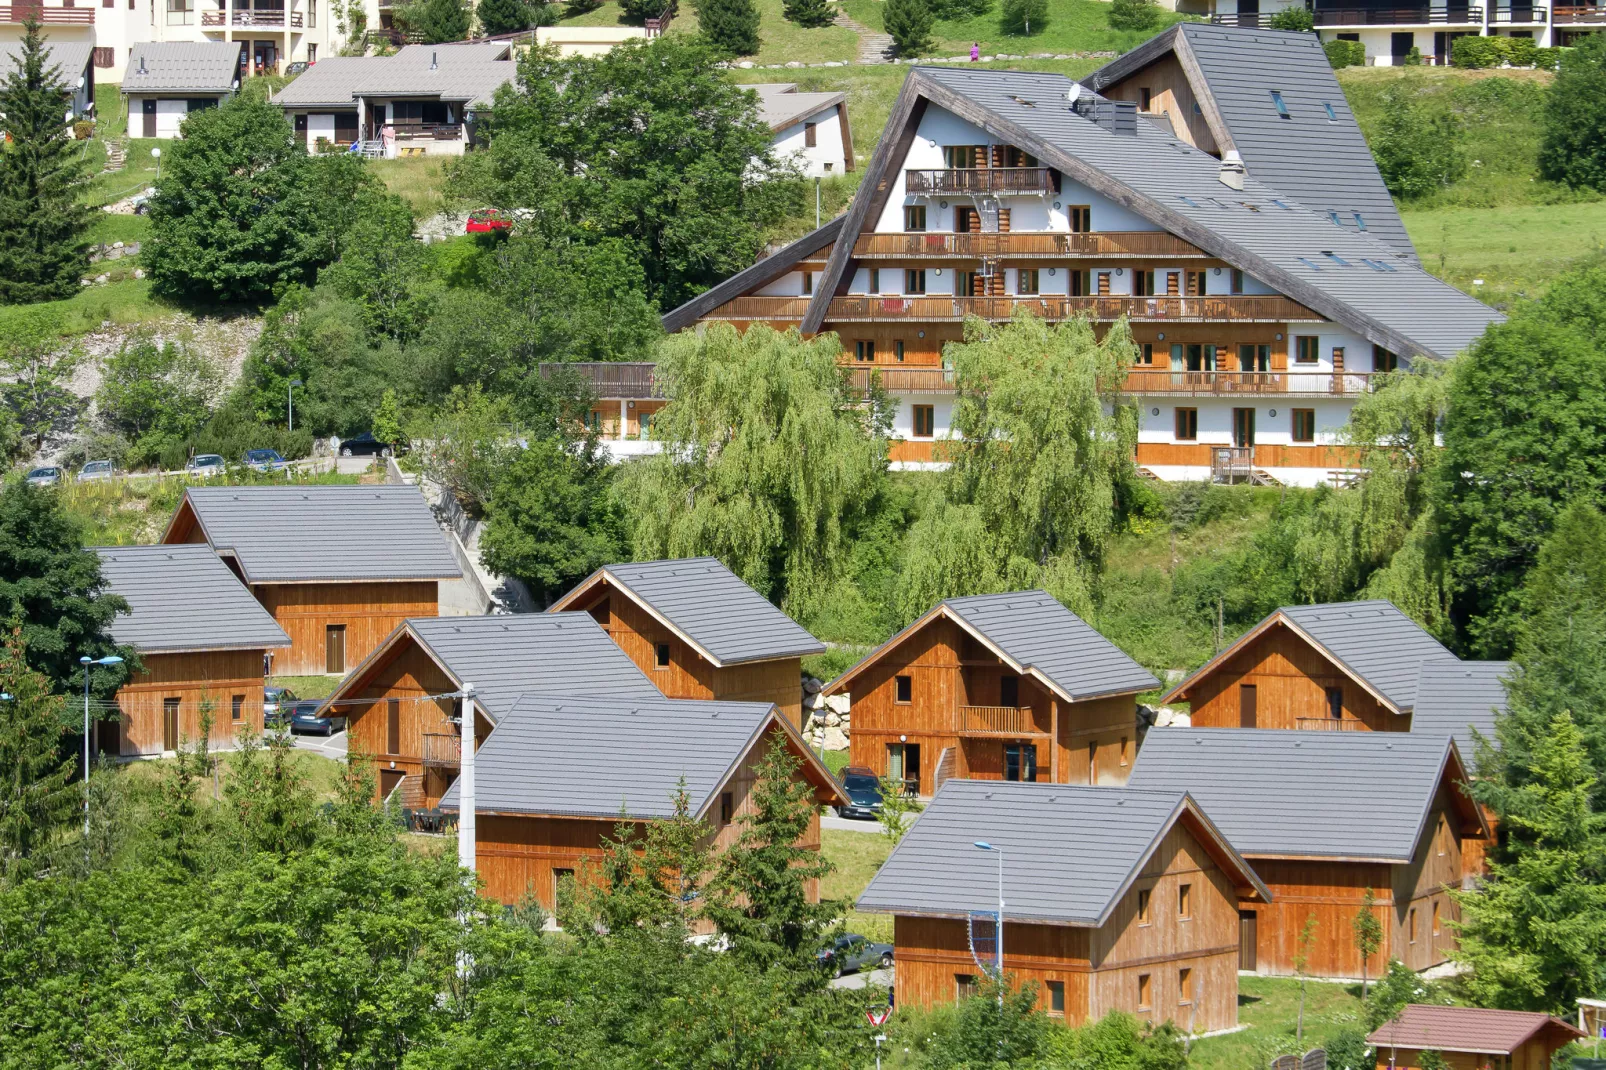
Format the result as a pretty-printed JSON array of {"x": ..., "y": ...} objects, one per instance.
[
  {"x": 767, "y": 455},
  {"x": 1042, "y": 446}
]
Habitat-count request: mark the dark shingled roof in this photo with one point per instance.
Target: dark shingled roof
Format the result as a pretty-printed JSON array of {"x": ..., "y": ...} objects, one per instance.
[
  {"x": 1324, "y": 163},
  {"x": 305, "y": 534},
  {"x": 706, "y": 602},
  {"x": 1454, "y": 697},
  {"x": 1070, "y": 852},
  {"x": 1467, "y": 1029},
  {"x": 1289, "y": 793},
  {"x": 1036, "y": 632},
  {"x": 184, "y": 598},
  {"x": 1376, "y": 641},
  {"x": 182, "y": 67}
]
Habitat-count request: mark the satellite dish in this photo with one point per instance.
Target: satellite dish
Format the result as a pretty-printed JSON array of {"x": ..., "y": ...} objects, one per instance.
[{"x": 1075, "y": 92}]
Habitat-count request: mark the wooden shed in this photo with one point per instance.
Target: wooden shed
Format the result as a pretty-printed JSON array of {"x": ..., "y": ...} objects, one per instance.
[
  {"x": 1116, "y": 900},
  {"x": 1471, "y": 1038},
  {"x": 1323, "y": 817},
  {"x": 399, "y": 704},
  {"x": 202, "y": 639},
  {"x": 557, "y": 775},
  {"x": 698, "y": 631},
  {"x": 339, "y": 567},
  {"x": 996, "y": 687}
]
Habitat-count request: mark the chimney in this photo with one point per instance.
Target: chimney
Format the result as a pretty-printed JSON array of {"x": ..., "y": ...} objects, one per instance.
[
  {"x": 142, "y": 69},
  {"x": 1119, "y": 117},
  {"x": 433, "y": 56},
  {"x": 1232, "y": 170}
]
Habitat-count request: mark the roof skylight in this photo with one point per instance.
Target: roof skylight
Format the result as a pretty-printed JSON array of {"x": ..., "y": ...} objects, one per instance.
[
  {"x": 1360, "y": 221},
  {"x": 1332, "y": 116},
  {"x": 1335, "y": 258},
  {"x": 1282, "y": 109}
]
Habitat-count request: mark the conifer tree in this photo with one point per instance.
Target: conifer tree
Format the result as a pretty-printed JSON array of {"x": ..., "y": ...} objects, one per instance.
[
  {"x": 503, "y": 16},
  {"x": 36, "y": 791},
  {"x": 43, "y": 250},
  {"x": 808, "y": 12},
  {"x": 731, "y": 25},
  {"x": 909, "y": 23}
]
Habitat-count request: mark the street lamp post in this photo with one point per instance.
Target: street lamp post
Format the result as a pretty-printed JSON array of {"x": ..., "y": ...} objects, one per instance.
[
  {"x": 998, "y": 953},
  {"x": 290, "y": 403},
  {"x": 156, "y": 154},
  {"x": 86, "y": 661}
]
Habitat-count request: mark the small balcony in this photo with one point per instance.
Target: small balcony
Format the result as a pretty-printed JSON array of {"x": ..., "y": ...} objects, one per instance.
[
  {"x": 266, "y": 17},
  {"x": 1518, "y": 15},
  {"x": 1453, "y": 15},
  {"x": 917, "y": 309},
  {"x": 1579, "y": 16},
  {"x": 1123, "y": 244},
  {"x": 1012, "y": 721},
  {"x": 896, "y": 380},
  {"x": 1328, "y": 724},
  {"x": 428, "y": 131},
  {"x": 983, "y": 180},
  {"x": 442, "y": 750},
  {"x": 79, "y": 16},
  {"x": 610, "y": 381},
  {"x": 1163, "y": 381}
]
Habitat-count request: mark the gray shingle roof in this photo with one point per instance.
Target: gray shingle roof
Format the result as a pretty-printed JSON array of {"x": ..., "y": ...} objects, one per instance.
[
  {"x": 1324, "y": 163},
  {"x": 184, "y": 598},
  {"x": 1037, "y": 632},
  {"x": 781, "y": 105},
  {"x": 71, "y": 56},
  {"x": 1069, "y": 852},
  {"x": 590, "y": 757},
  {"x": 1454, "y": 697},
  {"x": 1376, "y": 641},
  {"x": 707, "y": 603},
  {"x": 181, "y": 67},
  {"x": 1318, "y": 794},
  {"x": 334, "y": 533},
  {"x": 509, "y": 657},
  {"x": 466, "y": 73}
]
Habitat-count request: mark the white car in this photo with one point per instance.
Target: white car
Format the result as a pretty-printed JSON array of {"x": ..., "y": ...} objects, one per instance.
[
  {"x": 205, "y": 465},
  {"x": 96, "y": 470}
]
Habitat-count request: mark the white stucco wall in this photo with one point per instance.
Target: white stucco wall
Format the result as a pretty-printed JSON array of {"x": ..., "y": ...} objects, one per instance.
[{"x": 827, "y": 157}]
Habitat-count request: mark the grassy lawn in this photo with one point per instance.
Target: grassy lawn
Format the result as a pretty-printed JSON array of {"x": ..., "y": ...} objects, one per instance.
[
  {"x": 857, "y": 856},
  {"x": 1516, "y": 251},
  {"x": 779, "y": 41},
  {"x": 124, "y": 302},
  {"x": 1072, "y": 26},
  {"x": 1270, "y": 1008},
  {"x": 420, "y": 182},
  {"x": 306, "y": 686},
  {"x": 138, "y": 173},
  {"x": 321, "y": 774}
]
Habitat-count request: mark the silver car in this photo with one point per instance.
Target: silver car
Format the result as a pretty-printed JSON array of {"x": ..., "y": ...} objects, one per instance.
[
  {"x": 96, "y": 470},
  {"x": 204, "y": 465},
  {"x": 43, "y": 477}
]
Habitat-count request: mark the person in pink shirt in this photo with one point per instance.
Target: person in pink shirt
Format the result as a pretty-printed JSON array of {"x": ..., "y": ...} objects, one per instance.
[{"x": 975, "y": 51}]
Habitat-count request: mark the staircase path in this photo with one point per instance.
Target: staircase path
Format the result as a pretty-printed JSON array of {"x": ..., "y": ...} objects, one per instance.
[{"x": 873, "y": 47}]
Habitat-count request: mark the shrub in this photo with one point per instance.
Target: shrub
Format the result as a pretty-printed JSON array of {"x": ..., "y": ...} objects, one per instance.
[
  {"x": 83, "y": 130},
  {"x": 1343, "y": 54},
  {"x": 1416, "y": 152},
  {"x": 1547, "y": 59},
  {"x": 1024, "y": 16},
  {"x": 808, "y": 12},
  {"x": 732, "y": 25},
  {"x": 1348, "y": 1050},
  {"x": 1483, "y": 53},
  {"x": 1413, "y": 58},
  {"x": 1298, "y": 19},
  {"x": 1134, "y": 15},
  {"x": 1574, "y": 147},
  {"x": 909, "y": 23}
]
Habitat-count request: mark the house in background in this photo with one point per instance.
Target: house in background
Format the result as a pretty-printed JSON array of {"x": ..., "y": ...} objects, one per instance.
[
  {"x": 203, "y": 641},
  {"x": 625, "y": 397},
  {"x": 1323, "y": 817},
  {"x": 810, "y": 129},
  {"x": 1117, "y": 900},
  {"x": 73, "y": 58},
  {"x": 996, "y": 687},
  {"x": 339, "y": 567},
  {"x": 1471, "y": 1038},
  {"x": 557, "y": 775},
  {"x": 401, "y": 703},
  {"x": 165, "y": 81},
  {"x": 422, "y": 101},
  {"x": 1343, "y": 666},
  {"x": 698, "y": 631}
]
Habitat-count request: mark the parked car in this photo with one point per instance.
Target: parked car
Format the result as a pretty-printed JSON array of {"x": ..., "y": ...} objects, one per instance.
[
  {"x": 364, "y": 445},
  {"x": 304, "y": 719},
  {"x": 96, "y": 470},
  {"x": 141, "y": 201},
  {"x": 487, "y": 221},
  {"x": 863, "y": 790},
  {"x": 850, "y": 952},
  {"x": 265, "y": 460},
  {"x": 298, "y": 67},
  {"x": 44, "y": 477},
  {"x": 276, "y": 703},
  {"x": 205, "y": 465}
]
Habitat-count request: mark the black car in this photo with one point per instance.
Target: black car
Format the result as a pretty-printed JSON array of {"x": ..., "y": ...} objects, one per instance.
[
  {"x": 850, "y": 952},
  {"x": 364, "y": 445},
  {"x": 864, "y": 794},
  {"x": 304, "y": 719}
]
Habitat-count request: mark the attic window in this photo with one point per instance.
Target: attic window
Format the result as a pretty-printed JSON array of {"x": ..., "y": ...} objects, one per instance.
[
  {"x": 1282, "y": 109},
  {"x": 1332, "y": 116},
  {"x": 1335, "y": 258},
  {"x": 1189, "y": 201},
  {"x": 1281, "y": 204},
  {"x": 1360, "y": 222},
  {"x": 1309, "y": 263},
  {"x": 1334, "y": 217}
]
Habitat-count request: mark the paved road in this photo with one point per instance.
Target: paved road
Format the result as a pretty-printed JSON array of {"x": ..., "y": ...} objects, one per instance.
[
  {"x": 854, "y": 824},
  {"x": 864, "y": 978},
  {"x": 329, "y": 746}
]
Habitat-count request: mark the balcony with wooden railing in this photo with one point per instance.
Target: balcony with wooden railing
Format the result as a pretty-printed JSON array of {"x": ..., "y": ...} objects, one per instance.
[
  {"x": 1328, "y": 724},
  {"x": 1517, "y": 14},
  {"x": 1157, "y": 381},
  {"x": 1125, "y": 244},
  {"x": 442, "y": 750},
  {"x": 870, "y": 309},
  {"x": 613, "y": 381},
  {"x": 270, "y": 17},
  {"x": 988, "y": 180},
  {"x": 1423, "y": 15},
  {"x": 69, "y": 15},
  {"x": 996, "y": 721},
  {"x": 1575, "y": 15},
  {"x": 900, "y": 380}
]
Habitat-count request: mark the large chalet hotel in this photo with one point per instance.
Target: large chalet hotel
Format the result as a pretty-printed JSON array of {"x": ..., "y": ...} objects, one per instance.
[{"x": 1215, "y": 190}]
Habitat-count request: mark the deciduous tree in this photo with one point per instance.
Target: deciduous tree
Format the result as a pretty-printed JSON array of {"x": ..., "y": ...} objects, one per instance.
[
  {"x": 437, "y": 21},
  {"x": 503, "y": 16},
  {"x": 1574, "y": 147},
  {"x": 1368, "y": 933},
  {"x": 158, "y": 394},
  {"x": 1024, "y": 17},
  {"x": 37, "y": 365},
  {"x": 1417, "y": 152}
]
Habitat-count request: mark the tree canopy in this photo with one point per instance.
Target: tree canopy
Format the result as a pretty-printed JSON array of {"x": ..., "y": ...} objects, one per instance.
[{"x": 1574, "y": 147}]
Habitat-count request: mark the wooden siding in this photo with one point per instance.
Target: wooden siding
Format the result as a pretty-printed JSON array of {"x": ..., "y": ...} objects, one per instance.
[
  {"x": 1332, "y": 892},
  {"x": 1100, "y": 967},
  {"x": 369, "y": 612},
  {"x": 408, "y": 675},
  {"x": 214, "y": 677},
  {"x": 1170, "y": 95},
  {"x": 1422, "y": 890},
  {"x": 1266, "y": 456},
  {"x": 689, "y": 674},
  {"x": 1533, "y": 1055},
  {"x": 1290, "y": 678}
]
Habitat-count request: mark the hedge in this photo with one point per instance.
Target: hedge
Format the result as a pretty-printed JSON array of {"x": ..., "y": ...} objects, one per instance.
[
  {"x": 1345, "y": 54},
  {"x": 1481, "y": 53}
]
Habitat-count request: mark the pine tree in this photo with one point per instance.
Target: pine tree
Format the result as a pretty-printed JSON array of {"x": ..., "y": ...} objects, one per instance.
[
  {"x": 909, "y": 23},
  {"x": 437, "y": 21},
  {"x": 808, "y": 12},
  {"x": 731, "y": 25},
  {"x": 1024, "y": 17},
  {"x": 503, "y": 16},
  {"x": 36, "y": 791},
  {"x": 43, "y": 249}
]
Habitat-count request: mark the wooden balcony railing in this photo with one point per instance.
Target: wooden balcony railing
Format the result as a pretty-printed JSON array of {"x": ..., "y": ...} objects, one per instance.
[
  {"x": 996, "y": 720},
  {"x": 442, "y": 749},
  {"x": 39, "y": 13},
  {"x": 1328, "y": 724},
  {"x": 1231, "y": 464},
  {"x": 1577, "y": 15},
  {"x": 428, "y": 131},
  {"x": 1218, "y": 383},
  {"x": 1239, "y": 309},
  {"x": 610, "y": 381},
  {"x": 1452, "y": 15},
  {"x": 980, "y": 180},
  {"x": 248, "y": 17},
  {"x": 1503, "y": 14},
  {"x": 1137, "y": 243},
  {"x": 897, "y": 380}
]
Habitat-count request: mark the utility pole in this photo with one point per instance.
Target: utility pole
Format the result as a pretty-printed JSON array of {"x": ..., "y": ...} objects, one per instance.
[{"x": 465, "y": 780}]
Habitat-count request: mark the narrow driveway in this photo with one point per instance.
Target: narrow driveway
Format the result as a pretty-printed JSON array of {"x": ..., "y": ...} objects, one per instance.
[
  {"x": 863, "y": 979},
  {"x": 329, "y": 746}
]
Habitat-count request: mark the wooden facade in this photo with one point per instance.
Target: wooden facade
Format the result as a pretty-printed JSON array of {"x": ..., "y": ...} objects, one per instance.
[
  {"x": 1167, "y": 962},
  {"x": 686, "y": 673},
  {"x": 334, "y": 626},
  {"x": 163, "y": 706},
  {"x": 1162, "y": 88},
  {"x": 967, "y": 712},
  {"x": 1470, "y": 1038}
]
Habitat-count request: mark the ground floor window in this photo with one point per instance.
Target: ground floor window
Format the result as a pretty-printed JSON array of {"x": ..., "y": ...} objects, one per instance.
[
  {"x": 925, "y": 420},
  {"x": 1020, "y": 762},
  {"x": 1187, "y": 425},
  {"x": 1304, "y": 425},
  {"x": 1056, "y": 998}
]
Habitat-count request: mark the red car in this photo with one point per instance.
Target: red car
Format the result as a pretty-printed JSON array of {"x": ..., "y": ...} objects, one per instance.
[{"x": 487, "y": 221}]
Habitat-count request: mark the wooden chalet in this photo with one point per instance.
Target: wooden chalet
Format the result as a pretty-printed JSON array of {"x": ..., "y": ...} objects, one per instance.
[
  {"x": 698, "y": 631},
  {"x": 1117, "y": 900},
  {"x": 1323, "y": 817},
  {"x": 1261, "y": 307},
  {"x": 996, "y": 687},
  {"x": 1462, "y": 699},
  {"x": 1471, "y": 1038},
  {"x": 203, "y": 644},
  {"x": 339, "y": 567},
  {"x": 557, "y": 775},
  {"x": 400, "y": 703}
]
